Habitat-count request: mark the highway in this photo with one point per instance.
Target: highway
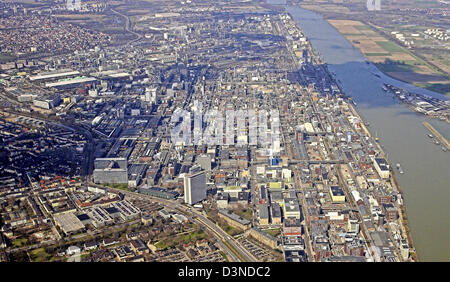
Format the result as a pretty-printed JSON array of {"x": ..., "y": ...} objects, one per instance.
[
  {"x": 127, "y": 27},
  {"x": 242, "y": 253}
]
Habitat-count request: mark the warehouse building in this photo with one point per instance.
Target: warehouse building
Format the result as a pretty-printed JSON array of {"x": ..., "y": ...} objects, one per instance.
[
  {"x": 69, "y": 223},
  {"x": 159, "y": 193},
  {"x": 110, "y": 170}
]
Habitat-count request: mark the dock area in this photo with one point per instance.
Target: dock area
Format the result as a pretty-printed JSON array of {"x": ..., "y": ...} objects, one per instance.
[{"x": 436, "y": 133}]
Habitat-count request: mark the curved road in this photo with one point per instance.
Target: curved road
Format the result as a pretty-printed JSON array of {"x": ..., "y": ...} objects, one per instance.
[
  {"x": 199, "y": 218},
  {"x": 127, "y": 27}
]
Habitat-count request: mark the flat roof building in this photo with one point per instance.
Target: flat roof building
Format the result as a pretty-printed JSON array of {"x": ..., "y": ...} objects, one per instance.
[
  {"x": 264, "y": 237},
  {"x": 263, "y": 214},
  {"x": 337, "y": 194},
  {"x": 68, "y": 222},
  {"x": 54, "y": 74},
  {"x": 110, "y": 170},
  {"x": 204, "y": 161},
  {"x": 70, "y": 83},
  {"x": 159, "y": 192},
  {"x": 275, "y": 212},
  {"x": 194, "y": 187},
  {"x": 235, "y": 220},
  {"x": 382, "y": 167},
  {"x": 291, "y": 208}
]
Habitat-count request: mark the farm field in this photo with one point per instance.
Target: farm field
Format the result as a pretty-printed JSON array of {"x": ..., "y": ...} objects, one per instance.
[{"x": 391, "y": 58}]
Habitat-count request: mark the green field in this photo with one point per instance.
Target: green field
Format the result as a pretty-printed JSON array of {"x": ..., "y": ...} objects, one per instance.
[
  {"x": 245, "y": 213},
  {"x": 120, "y": 186},
  {"x": 40, "y": 255},
  {"x": 422, "y": 63},
  {"x": 391, "y": 47},
  {"x": 395, "y": 67},
  {"x": 377, "y": 54},
  {"x": 229, "y": 229},
  {"x": 273, "y": 232},
  {"x": 362, "y": 27},
  {"x": 19, "y": 242},
  {"x": 184, "y": 238},
  {"x": 437, "y": 87}
]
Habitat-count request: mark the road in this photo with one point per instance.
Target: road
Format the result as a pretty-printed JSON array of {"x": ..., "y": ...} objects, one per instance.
[
  {"x": 227, "y": 238},
  {"x": 221, "y": 235},
  {"x": 127, "y": 27}
]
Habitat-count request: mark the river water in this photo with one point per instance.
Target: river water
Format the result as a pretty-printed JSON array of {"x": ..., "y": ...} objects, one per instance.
[{"x": 426, "y": 181}]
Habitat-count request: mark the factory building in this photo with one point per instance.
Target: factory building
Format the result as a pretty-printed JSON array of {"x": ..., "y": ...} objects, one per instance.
[
  {"x": 47, "y": 102},
  {"x": 159, "y": 192},
  {"x": 110, "y": 170}
]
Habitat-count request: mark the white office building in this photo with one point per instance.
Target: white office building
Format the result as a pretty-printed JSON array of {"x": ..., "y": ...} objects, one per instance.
[{"x": 194, "y": 187}]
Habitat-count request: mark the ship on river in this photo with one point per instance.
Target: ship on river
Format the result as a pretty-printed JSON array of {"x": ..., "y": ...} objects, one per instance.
[
  {"x": 399, "y": 168},
  {"x": 423, "y": 104}
]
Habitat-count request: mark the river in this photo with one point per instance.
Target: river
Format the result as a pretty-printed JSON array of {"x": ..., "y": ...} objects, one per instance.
[{"x": 426, "y": 181}]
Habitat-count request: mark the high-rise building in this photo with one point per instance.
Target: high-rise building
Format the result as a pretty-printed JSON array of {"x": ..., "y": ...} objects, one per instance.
[{"x": 194, "y": 187}]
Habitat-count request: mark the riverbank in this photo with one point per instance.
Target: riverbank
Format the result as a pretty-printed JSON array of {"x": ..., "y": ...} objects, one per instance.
[
  {"x": 404, "y": 138},
  {"x": 431, "y": 107},
  {"x": 402, "y": 214},
  {"x": 402, "y": 222},
  {"x": 438, "y": 135},
  {"x": 402, "y": 51}
]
